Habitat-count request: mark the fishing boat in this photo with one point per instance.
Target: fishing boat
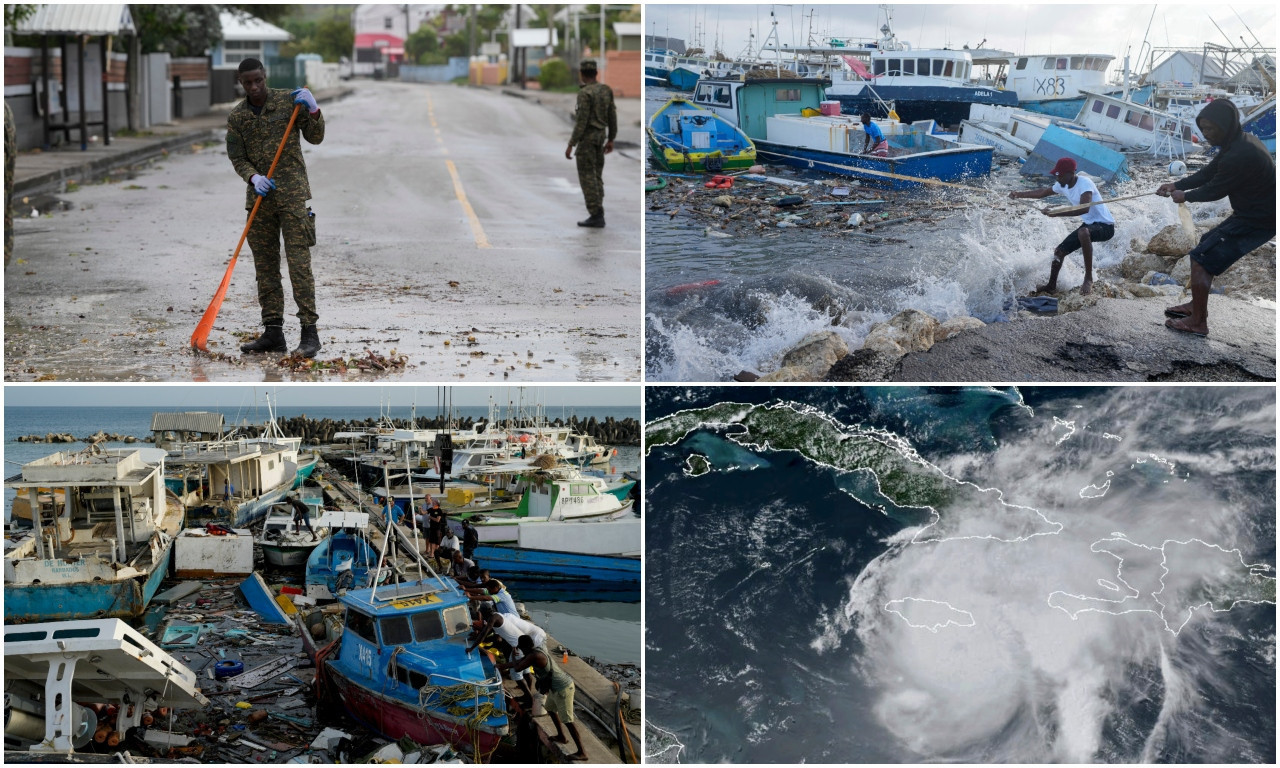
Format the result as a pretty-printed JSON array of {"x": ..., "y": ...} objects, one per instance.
[
  {"x": 1139, "y": 127},
  {"x": 543, "y": 565},
  {"x": 343, "y": 559},
  {"x": 66, "y": 680},
  {"x": 281, "y": 545},
  {"x": 786, "y": 120},
  {"x": 402, "y": 667},
  {"x": 550, "y": 499},
  {"x": 889, "y": 76},
  {"x": 100, "y": 545},
  {"x": 684, "y": 137},
  {"x": 657, "y": 66},
  {"x": 687, "y": 70},
  {"x": 235, "y": 482},
  {"x": 1014, "y": 131},
  {"x": 1050, "y": 84},
  {"x": 583, "y": 449}
]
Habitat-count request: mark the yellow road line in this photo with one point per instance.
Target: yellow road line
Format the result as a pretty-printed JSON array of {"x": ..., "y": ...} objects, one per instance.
[{"x": 477, "y": 231}]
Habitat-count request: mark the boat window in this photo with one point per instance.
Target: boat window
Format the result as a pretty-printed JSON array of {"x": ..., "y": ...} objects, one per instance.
[
  {"x": 69, "y": 633},
  {"x": 1113, "y": 111},
  {"x": 361, "y": 624},
  {"x": 407, "y": 676},
  {"x": 721, "y": 94},
  {"x": 908, "y": 66},
  {"x": 1048, "y": 63},
  {"x": 1186, "y": 133},
  {"x": 786, "y": 94},
  {"x": 1097, "y": 105},
  {"x": 1101, "y": 64},
  {"x": 1077, "y": 62},
  {"x": 895, "y": 66},
  {"x": 395, "y": 631},
  {"x": 937, "y": 67},
  {"x": 877, "y": 67},
  {"x": 426, "y": 626},
  {"x": 271, "y": 464},
  {"x": 456, "y": 620},
  {"x": 1062, "y": 63},
  {"x": 922, "y": 66},
  {"x": 1022, "y": 63},
  {"x": 581, "y": 489},
  {"x": 1148, "y": 123},
  {"x": 1132, "y": 117},
  {"x": 950, "y": 64}
]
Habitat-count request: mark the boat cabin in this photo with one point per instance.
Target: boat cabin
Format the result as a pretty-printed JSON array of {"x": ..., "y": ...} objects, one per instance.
[
  {"x": 1138, "y": 126},
  {"x": 1045, "y": 77},
  {"x": 573, "y": 496}
]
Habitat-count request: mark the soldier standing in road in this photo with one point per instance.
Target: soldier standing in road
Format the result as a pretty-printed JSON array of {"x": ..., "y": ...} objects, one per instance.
[
  {"x": 255, "y": 129},
  {"x": 594, "y": 129}
]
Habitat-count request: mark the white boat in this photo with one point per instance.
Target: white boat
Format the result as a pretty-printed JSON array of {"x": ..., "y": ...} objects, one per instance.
[
  {"x": 1014, "y": 131},
  {"x": 282, "y": 545},
  {"x": 1140, "y": 128},
  {"x": 104, "y": 535},
  {"x": 234, "y": 483},
  {"x": 657, "y": 66},
  {"x": 551, "y": 498},
  {"x": 1051, "y": 84},
  {"x": 53, "y": 670}
]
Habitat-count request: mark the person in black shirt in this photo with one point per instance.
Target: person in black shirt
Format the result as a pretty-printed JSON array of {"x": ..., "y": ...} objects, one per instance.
[
  {"x": 1244, "y": 172},
  {"x": 470, "y": 539}
]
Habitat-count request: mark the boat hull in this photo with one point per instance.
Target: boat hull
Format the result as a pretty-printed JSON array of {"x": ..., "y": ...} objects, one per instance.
[
  {"x": 1064, "y": 108},
  {"x": 286, "y": 557},
  {"x": 921, "y": 102},
  {"x": 944, "y": 165},
  {"x": 726, "y": 147},
  {"x": 545, "y": 565},
  {"x": 394, "y": 719},
  {"x": 121, "y": 599}
]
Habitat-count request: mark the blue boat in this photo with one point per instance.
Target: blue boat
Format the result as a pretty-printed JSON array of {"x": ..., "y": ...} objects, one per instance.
[
  {"x": 401, "y": 668},
  {"x": 506, "y": 562},
  {"x": 1103, "y": 165},
  {"x": 783, "y": 117},
  {"x": 1261, "y": 122},
  {"x": 113, "y": 525},
  {"x": 685, "y": 138},
  {"x": 342, "y": 560}
]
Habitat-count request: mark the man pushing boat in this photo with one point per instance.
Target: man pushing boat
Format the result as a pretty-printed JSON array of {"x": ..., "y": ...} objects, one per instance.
[
  {"x": 1096, "y": 225},
  {"x": 1245, "y": 173}
]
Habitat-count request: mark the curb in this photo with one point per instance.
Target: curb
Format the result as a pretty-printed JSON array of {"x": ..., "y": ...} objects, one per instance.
[{"x": 96, "y": 169}]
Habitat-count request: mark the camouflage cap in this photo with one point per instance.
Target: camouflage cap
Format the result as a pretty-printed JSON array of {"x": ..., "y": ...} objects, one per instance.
[{"x": 588, "y": 65}]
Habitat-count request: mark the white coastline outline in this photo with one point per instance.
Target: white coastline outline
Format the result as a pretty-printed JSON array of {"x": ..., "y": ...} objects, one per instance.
[{"x": 931, "y": 627}]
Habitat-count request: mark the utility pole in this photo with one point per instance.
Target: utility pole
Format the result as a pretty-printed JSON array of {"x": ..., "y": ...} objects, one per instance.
[
  {"x": 471, "y": 24},
  {"x": 601, "y": 57}
]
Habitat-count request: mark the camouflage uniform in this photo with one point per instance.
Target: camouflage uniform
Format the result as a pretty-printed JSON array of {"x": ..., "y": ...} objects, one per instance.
[
  {"x": 594, "y": 115},
  {"x": 10, "y": 156},
  {"x": 252, "y": 141}
]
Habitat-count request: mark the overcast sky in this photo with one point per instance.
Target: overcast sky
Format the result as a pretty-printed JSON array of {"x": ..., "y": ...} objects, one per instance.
[
  {"x": 165, "y": 396},
  {"x": 1113, "y": 27}
]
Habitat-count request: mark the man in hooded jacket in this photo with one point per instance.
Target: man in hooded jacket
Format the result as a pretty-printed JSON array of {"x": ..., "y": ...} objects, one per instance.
[{"x": 1245, "y": 173}]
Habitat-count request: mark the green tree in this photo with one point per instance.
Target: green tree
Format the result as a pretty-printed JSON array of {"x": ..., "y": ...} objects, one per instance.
[
  {"x": 16, "y": 13},
  {"x": 423, "y": 41},
  {"x": 334, "y": 38},
  {"x": 554, "y": 75},
  {"x": 182, "y": 30}
]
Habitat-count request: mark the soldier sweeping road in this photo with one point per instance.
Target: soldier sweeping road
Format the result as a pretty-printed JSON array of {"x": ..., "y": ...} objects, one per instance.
[
  {"x": 594, "y": 129},
  {"x": 255, "y": 129}
]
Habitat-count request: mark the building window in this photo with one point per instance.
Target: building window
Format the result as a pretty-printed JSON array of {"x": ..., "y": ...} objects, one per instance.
[
  {"x": 236, "y": 51},
  {"x": 386, "y": 23}
]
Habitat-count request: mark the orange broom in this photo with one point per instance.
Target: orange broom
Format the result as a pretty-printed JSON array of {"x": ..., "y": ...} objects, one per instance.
[{"x": 201, "y": 334}]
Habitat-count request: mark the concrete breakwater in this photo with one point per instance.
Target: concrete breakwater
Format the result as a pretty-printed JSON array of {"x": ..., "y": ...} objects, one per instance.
[{"x": 608, "y": 431}]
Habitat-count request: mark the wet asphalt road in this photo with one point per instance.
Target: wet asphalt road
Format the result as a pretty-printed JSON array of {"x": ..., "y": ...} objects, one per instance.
[{"x": 113, "y": 288}]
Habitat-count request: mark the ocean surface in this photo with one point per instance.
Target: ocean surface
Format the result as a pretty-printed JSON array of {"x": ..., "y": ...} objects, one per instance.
[
  {"x": 608, "y": 630},
  {"x": 779, "y": 285},
  {"x": 790, "y": 620}
]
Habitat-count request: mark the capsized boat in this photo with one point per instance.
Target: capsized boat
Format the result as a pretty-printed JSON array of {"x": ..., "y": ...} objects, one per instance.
[
  {"x": 1261, "y": 122},
  {"x": 104, "y": 541},
  {"x": 284, "y": 547},
  {"x": 401, "y": 667},
  {"x": 53, "y": 670},
  {"x": 686, "y": 137}
]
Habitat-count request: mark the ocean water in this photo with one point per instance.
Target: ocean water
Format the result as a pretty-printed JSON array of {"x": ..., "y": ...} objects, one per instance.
[
  {"x": 779, "y": 285},
  {"x": 608, "y": 630},
  {"x": 821, "y": 633}
]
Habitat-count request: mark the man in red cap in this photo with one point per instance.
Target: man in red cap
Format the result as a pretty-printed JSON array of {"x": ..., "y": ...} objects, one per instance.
[{"x": 1096, "y": 226}]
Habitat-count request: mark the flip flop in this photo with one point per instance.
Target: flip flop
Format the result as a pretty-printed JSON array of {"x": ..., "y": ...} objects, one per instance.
[
  {"x": 1182, "y": 330},
  {"x": 1175, "y": 313}
]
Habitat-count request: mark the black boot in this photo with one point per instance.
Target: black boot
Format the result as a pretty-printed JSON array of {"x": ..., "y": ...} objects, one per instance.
[
  {"x": 271, "y": 340},
  {"x": 596, "y": 220},
  {"x": 310, "y": 343}
]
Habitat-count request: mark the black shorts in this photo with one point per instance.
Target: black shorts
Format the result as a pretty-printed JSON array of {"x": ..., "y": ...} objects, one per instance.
[
  {"x": 1223, "y": 245},
  {"x": 1098, "y": 233}
]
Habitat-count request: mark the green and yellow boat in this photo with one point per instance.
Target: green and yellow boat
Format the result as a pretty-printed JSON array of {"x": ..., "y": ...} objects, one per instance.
[{"x": 684, "y": 137}]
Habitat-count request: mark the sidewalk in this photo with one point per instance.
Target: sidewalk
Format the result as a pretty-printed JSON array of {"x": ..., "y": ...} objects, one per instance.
[
  {"x": 630, "y": 131},
  {"x": 38, "y": 172}
]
